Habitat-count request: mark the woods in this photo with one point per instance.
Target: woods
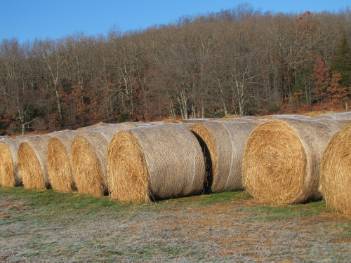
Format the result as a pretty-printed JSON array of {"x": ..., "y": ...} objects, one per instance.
[{"x": 238, "y": 61}]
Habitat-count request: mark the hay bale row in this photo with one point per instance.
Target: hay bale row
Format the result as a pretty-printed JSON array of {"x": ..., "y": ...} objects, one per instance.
[
  {"x": 45, "y": 161},
  {"x": 277, "y": 159},
  {"x": 282, "y": 158},
  {"x": 150, "y": 163}
]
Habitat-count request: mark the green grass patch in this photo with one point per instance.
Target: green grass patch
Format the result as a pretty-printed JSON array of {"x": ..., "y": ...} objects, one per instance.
[
  {"x": 216, "y": 198},
  {"x": 45, "y": 206},
  {"x": 49, "y": 203},
  {"x": 271, "y": 213},
  {"x": 203, "y": 200},
  {"x": 52, "y": 200}
]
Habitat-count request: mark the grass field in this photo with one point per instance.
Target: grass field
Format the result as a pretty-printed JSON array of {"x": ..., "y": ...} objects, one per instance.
[{"x": 230, "y": 227}]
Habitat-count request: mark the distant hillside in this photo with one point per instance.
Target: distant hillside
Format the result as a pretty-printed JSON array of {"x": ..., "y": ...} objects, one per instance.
[{"x": 237, "y": 61}]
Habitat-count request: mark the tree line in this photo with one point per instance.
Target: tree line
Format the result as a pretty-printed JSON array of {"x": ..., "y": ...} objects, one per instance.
[{"x": 238, "y": 61}]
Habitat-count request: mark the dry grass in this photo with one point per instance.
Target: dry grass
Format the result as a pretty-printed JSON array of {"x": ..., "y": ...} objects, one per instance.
[
  {"x": 282, "y": 157},
  {"x": 148, "y": 163}
]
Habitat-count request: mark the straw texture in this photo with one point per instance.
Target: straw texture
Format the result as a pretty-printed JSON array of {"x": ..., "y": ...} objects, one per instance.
[
  {"x": 336, "y": 172},
  {"x": 225, "y": 141},
  {"x": 59, "y": 161},
  {"x": 89, "y": 157},
  {"x": 156, "y": 162},
  {"x": 282, "y": 158},
  {"x": 9, "y": 177},
  {"x": 32, "y": 162}
]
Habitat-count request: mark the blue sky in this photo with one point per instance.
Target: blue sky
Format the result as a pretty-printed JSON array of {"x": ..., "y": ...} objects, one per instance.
[{"x": 30, "y": 19}]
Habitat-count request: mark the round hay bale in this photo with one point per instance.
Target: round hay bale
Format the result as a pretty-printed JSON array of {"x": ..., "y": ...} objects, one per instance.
[
  {"x": 155, "y": 162},
  {"x": 335, "y": 172},
  {"x": 59, "y": 161},
  {"x": 32, "y": 162},
  {"x": 89, "y": 157},
  {"x": 9, "y": 177},
  {"x": 282, "y": 157},
  {"x": 225, "y": 141}
]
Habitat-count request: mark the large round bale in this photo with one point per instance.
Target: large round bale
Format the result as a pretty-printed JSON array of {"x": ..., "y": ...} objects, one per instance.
[
  {"x": 9, "y": 177},
  {"x": 32, "y": 162},
  {"x": 89, "y": 157},
  {"x": 282, "y": 157},
  {"x": 336, "y": 172},
  {"x": 59, "y": 161},
  {"x": 155, "y": 162},
  {"x": 225, "y": 142}
]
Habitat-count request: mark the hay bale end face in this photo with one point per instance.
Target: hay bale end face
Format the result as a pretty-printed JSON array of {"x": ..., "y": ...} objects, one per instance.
[
  {"x": 335, "y": 172},
  {"x": 32, "y": 162},
  {"x": 88, "y": 163},
  {"x": 59, "y": 161},
  {"x": 225, "y": 141},
  {"x": 8, "y": 163},
  {"x": 282, "y": 157},
  {"x": 89, "y": 157},
  {"x": 156, "y": 162}
]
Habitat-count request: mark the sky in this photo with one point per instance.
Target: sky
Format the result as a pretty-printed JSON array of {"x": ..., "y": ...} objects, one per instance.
[{"x": 27, "y": 20}]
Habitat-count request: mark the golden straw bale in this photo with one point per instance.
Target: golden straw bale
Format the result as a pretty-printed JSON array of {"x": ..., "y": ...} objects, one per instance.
[
  {"x": 32, "y": 162},
  {"x": 89, "y": 153},
  {"x": 59, "y": 161},
  {"x": 225, "y": 142},
  {"x": 155, "y": 162},
  {"x": 9, "y": 177},
  {"x": 282, "y": 157},
  {"x": 336, "y": 172}
]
